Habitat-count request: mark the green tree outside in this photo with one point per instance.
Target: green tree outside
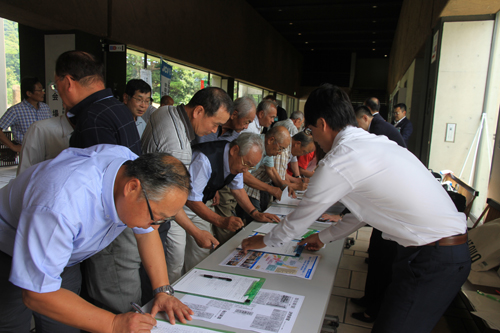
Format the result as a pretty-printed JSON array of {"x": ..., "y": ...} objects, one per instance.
[{"x": 11, "y": 57}]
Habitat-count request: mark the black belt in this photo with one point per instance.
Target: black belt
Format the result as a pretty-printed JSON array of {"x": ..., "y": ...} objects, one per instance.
[{"x": 450, "y": 241}]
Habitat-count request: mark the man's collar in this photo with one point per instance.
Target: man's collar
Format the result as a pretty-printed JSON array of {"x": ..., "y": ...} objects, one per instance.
[
  {"x": 83, "y": 104},
  {"x": 397, "y": 122},
  {"x": 189, "y": 126}
]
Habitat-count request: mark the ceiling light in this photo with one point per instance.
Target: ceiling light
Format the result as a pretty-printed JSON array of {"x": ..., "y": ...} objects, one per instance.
[
  {"x": 374, "y": 6},
  {"x": 385, "y": 55},
  {"x": 280, "y": 10},
  {"x": 373, "y": 42},
  {"x": 312, "y": 49},
  {"x": 300, "y": 34},
  {"x": 373, "y": 49},
  {"x": 307, "y": 42},
  {"x": 374, "y": 33},
  {"x": 291, "y": 23},
  {"x": 372, "y": 21}
]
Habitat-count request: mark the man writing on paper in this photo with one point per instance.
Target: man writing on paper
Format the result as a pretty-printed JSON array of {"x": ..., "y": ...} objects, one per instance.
[
  {"x": 363, "y": 171},
  {"x": 215, "y": 165},
  {"x": 62, "y": 211}
]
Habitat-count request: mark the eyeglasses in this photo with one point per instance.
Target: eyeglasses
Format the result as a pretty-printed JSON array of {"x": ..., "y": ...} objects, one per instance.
[
  {"x": 280, "y": 149},
  {"x": 397, "y": 113},
  {"x": 39, "y": 90},
  {"x": 141, "y": 101},
  {"x": 54, "y": 87},
  {"x": 246, "y": 165},
  {"x": 159, "y": 222},
  {"x": 308, "y": 131}
]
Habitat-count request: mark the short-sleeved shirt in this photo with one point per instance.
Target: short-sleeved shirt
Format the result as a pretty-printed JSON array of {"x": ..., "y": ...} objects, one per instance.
[
  {"x": 169, "y": 130},
  {"x": 19, "y": 118},
  {"x": 100, "y": 118},
  {"x": 254, "y": 127},
  {"x": 260, "y": 172},
  {"x": 44, "y": 140},
  {"x": 201, "y": 171},
  {"x": 60, "y": 212}
]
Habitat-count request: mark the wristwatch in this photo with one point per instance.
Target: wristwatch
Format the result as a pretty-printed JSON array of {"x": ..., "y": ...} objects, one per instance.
[{"x": 164, "y": 289}]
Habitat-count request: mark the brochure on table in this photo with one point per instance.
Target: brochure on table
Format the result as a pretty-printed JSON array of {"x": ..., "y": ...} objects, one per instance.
[
  {"x": 303, "y": 266},
  {"x": 291, "y": 248}
]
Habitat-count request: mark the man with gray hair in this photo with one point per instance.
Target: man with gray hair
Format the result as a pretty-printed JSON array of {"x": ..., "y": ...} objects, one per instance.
[
  {"x": 76, "y": 205},
  {"x": 215, "y": 165},
  {"x": 266, "y": 112},
  {"x": 171, "y": 130},
  {"x": 239, "y": 120},
  {"x": 293, "y": 124}
]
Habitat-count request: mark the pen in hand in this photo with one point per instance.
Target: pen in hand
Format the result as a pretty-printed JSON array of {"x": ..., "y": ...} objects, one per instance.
[{"x": 138, "y": 309}]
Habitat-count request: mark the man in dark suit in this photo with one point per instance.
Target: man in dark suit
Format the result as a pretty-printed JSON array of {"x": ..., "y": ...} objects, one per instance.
[
  {"x": 377, "y": 125},
  {"x": 402, "y": 123},
  {"x": 381, "y": 252}
]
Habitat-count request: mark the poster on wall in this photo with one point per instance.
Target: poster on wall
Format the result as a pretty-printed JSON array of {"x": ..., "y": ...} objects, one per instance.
[
  {"x": 166, "y": 76},
  {"x": 434, "y": 46},
  {"x": 147, "y": 76}
]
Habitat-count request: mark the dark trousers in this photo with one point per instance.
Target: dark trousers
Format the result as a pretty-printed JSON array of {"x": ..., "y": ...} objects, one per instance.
[
  {"x": 240, "y": 212},
  {"x": 16, "y": 317},
  {"x": 382, "y": 253},
  {"x": 425, "y": 280}
]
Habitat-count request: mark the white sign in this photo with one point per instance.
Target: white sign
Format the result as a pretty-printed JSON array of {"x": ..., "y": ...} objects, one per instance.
[
  {"x": 54, "y": 101},
  {"x": 147, "y": 77},
  {"x": 116, "y": 47}
]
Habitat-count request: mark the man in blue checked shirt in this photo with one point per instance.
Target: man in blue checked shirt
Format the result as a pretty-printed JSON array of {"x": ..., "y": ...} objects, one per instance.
[{"x": 20, "y": 116}]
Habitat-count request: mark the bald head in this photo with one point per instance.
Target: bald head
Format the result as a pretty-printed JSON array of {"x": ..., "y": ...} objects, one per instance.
[{"x": 277, "y": 140}]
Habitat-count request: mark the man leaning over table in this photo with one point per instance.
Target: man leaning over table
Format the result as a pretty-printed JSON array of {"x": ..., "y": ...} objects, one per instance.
[
  {"x": 60, "y": 212},
  {"x": 215, "y": 165},
  {"x": 362, "y": 171}
]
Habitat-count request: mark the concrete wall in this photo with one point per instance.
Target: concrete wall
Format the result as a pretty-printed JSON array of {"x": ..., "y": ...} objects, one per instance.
[
  {"x": 224, "y": 36},
  {"x": 461, "y": 86}
]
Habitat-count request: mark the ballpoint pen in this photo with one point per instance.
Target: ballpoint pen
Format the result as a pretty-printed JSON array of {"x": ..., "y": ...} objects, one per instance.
[
  {"x": 489, "y": 296},
  {"x": 217, "y": 277},
  {"x": 138, "y": 309}
]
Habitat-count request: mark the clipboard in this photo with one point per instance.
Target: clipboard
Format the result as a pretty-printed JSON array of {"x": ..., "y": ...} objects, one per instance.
[{"x": 248, "y": 295}]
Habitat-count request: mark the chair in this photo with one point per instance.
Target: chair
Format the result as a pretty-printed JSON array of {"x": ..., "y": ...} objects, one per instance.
[
  {"x": 491, "y": 212},
  {"x": 461, "y": 187}
]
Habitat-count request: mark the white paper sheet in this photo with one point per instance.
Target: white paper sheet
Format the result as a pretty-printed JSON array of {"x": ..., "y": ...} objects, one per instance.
[
  {"x": 303, "y": 266},
  {"x": 287, "y": 249},
  {"x": 166, "y": 327},
  {"x": 286, "y": 200},
  {"x": 198, "y": 282},
  {"x": 271, "y": 311},
  {"x": 280, "y": 210}
]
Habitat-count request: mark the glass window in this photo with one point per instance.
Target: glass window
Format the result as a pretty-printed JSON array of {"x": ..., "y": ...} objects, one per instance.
[
  {"x": 154, "y": 65},
  {"x": 12, "y": 66},
  {"x": 250, "y": 91},
  {"x": 216, "y": 81},
  {"x": 186, "y": 81},
  {"x": 280, "y": 100},
  {"x": 135, "y": 62}
]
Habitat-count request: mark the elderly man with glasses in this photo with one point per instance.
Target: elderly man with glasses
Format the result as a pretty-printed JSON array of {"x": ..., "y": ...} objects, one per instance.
[
  {"x": 65, "y": 210},
  {"x": 257, "y": 182},
  {"x": 137, "y": 97},
  {"x": 215, "y": 165}
]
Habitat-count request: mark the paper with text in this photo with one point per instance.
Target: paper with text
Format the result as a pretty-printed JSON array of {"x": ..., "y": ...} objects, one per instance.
[{"x": 270, "y": 312}]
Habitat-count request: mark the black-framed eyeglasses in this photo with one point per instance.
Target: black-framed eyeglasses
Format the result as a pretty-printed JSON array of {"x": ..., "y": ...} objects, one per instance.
[
  {"x": 308, "y": 131},
  {"x": 246, "y": 165},
  {"x": 159, "y": 222}
]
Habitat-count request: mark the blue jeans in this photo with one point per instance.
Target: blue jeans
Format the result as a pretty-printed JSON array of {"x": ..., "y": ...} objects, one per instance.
[{"x": 425, "y": 281}]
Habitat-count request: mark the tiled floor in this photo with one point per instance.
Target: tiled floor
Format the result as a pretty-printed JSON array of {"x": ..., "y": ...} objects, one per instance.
[{"x": 350, "y": 283}]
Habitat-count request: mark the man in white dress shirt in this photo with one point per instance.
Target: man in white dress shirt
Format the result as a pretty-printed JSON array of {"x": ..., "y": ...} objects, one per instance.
[
  {"x": 363, "y": 171},
  {"x": 266, "y": 112}
]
